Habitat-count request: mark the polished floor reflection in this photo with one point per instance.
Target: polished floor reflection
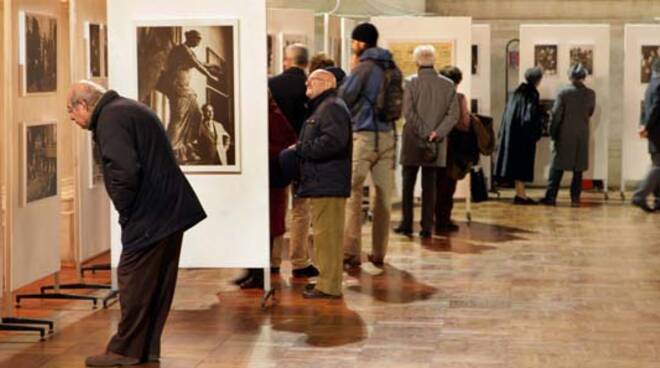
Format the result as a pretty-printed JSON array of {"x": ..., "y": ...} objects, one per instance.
[{"x": 518, "y": 287}]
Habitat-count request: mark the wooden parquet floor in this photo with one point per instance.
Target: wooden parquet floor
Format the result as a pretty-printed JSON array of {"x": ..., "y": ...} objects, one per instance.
[{"x": 519, "y": 287}]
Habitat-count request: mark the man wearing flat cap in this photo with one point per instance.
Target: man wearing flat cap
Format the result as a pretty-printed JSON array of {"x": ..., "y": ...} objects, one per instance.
[{"x": 574, "y": 106}]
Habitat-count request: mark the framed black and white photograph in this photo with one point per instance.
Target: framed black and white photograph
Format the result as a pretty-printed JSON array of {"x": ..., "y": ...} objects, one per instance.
[
  {"x": 545, "y": 56},
  {"x": 94, "y": 50},
  {"x": 583, "y": 54},
  {"x": 475, "y": 59},
  {"x": 474, "y": 106},
  {"x": 649, "y": 52},
  {"x": 95, "y": 163},
  {"x": 187, "y": 75},
  {"x": 271, "y": 60},
  {"x": 39, "y": 161},
  {"x": 38, "y": 52}
]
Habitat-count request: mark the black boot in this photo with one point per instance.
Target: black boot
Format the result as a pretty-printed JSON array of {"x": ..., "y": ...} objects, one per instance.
[{"x": 256, "y": 279}]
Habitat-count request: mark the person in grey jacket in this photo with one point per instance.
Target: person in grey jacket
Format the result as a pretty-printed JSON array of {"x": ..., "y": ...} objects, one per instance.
[
  {"x": 650, "y": 129},
  {"x": 431, "y": 111},
  {"x": 574, "y": 106}
]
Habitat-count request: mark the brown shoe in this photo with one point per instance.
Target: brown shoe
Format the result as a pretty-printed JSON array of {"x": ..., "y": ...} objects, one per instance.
[
  {"x": 110, "y": 359},
  {"x": 318, "y": 294},
  {"x": 378, "y": 262}
]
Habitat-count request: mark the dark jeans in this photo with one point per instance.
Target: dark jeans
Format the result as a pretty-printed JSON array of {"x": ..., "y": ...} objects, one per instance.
[
  {"x": 555, "y": 180},
  {"x": 445, "y": 189},
  {"x": 147, "y": 278},
  {"x": 409, "y": 174},
  {"x": 651, "y": 183}
]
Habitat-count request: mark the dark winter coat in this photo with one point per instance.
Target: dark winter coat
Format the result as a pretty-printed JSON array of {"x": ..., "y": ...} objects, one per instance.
[
  {"x": 651, "y": 114},
  {"x": 574, "y": 106},
  {"x": 360, "y": 90},
  {"x": 142, "y": 178},
  {"x": 520, "y": 130},
  {"x": 325, "y": 149},
  {"x": 288, "y": 90}
]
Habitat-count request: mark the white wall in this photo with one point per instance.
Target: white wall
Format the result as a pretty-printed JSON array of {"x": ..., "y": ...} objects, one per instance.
[
  {"x": 564, "y": 36},
  {"x": 481, "y": 81},
  {"x": 332, "y": 38},
  {"x": 635, "y": 160},
  {"x": 292, "y": 22},
  {"x": 35, "y": 228},
  {"x": 92, "y": 204},
  {"x": 429, "y": 29},
  {"x": 236, "y": 232}
]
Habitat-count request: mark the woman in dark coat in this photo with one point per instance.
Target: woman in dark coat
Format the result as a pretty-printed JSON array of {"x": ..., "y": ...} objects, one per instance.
[
  {"x": 280, "y": 136},
  {"x": 521, "y": 129}
]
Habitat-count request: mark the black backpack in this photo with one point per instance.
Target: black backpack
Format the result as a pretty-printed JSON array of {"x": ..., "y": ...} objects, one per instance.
[{"x": 389, "y": 102}]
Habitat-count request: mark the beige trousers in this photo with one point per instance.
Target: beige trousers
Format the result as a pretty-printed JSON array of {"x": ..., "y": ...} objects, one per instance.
[
  {"x": 328, "y": 221},
  {"x": 299, "y": 248},
  {"x": 381, "y": 166}
]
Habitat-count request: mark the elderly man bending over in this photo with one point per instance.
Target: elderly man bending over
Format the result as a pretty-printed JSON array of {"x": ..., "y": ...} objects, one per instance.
[{"x": 324, "y": 149}]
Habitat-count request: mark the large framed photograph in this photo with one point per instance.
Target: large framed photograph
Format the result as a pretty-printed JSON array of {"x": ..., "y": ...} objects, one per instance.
[
  {"x": 95, "y": 163},
  {"x": 38, "y": 52},
  {"x": 93, "y": 50},
  {"x": 402, "y": 52},
  {"x": 583, "y": 54},
  {"x": 545, "y": 56},
  {"x": 39, "y": 161},
  {"x": 649, "y": 53},
  {"x": 187, "y": 74}
]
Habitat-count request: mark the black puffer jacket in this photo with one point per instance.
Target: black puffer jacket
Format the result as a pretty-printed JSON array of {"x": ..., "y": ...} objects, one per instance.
[
  {"x": 325, "y": 149},
  {"x": 143, "y": 180}
]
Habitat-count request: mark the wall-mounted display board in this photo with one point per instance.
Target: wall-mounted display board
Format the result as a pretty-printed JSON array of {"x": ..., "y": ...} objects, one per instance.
[
  {"x": 286, "y": 26},
  {"x": 235, "y": 234},
  {"x": 453, "y": 37},
  {"x": 481, "y": 74},
  {"x": 641, "y": 45},
  {"x": 554, "y": 47}
]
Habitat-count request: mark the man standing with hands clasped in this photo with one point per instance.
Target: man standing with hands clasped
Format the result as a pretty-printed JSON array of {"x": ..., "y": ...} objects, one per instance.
[
  {"x": 324, "y": 150},
  {"x": 156, "y": 204}
]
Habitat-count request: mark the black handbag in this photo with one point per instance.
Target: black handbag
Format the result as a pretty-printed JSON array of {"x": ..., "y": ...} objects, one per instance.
[{"x": 478, "y": 189}]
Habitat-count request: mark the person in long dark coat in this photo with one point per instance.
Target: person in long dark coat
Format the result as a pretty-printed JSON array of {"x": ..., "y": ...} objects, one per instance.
[
  {"x": 569, "y": 131},
  {"x": 520, "y": 130}
]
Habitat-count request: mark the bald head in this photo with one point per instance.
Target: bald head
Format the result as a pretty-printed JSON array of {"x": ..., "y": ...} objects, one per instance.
[
  {"x": 320, "y": 81},
  {"x": 81, "y": 101}
]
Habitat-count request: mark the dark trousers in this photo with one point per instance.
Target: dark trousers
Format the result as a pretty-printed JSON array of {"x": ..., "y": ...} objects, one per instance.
[
  {"x": 555, "y": 180},
  {"x": 147, "y": 279},
  {"x": 651, "y": 183},
  {"x": 445, "y": 189},
  {"x": 409, "y": 176}
]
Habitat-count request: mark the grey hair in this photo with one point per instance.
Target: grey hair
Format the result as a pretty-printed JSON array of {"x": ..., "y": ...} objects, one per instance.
[
  {"x": 88, "y": 92},
  {"x": 534, "y": 75},
  {"x": 424, "y": 55},
  {"x": 299, "y": 54}
]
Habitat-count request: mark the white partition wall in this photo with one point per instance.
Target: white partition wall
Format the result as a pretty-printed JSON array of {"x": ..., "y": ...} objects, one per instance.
[
  {"x": 235, "y": 234},
  {"x": 286, "y": 26},
  {"x": 480, "y": 71},
  {"x": 33, "y": 200},
  {"x": 92, "y": 204},
  {"x": 639, "y": 39},
  {"x": 454, "y": 31},
  {"x": 332, "y": 38},
  {"x": 561, "y": 39}
]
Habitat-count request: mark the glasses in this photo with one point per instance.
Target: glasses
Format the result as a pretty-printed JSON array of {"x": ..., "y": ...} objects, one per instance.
[{"x": 72, "y": 106}]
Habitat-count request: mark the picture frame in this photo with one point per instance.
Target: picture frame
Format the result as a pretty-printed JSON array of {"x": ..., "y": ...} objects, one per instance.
[
  {"x": 39, "y": 156},
  {"x": 402, "y": 53},
  {"x": 219, "y": 50},
  {"x": 545, "y": 56},
  {"x": 38, "y": 53}
]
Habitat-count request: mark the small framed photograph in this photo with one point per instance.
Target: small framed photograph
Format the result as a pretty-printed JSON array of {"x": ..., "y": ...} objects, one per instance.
[{"x": 38, "y": 161}]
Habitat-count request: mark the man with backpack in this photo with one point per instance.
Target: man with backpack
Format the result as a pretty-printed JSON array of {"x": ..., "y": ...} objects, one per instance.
[{"x": 374, "y": 94}]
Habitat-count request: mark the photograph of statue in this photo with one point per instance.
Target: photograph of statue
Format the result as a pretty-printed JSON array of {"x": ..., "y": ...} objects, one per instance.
[
  {"x": 40, "y": 45},
  {"x": 40, "y": 162},
  {"x": 583, "y": 54},
  {"x": 545, "y": 56},
  {"x": 402, "y": 52},
  {"x": 648, "y": 54},
  {"x": 94, "y": 51},
  {"x": 186, "y": 75},
  {"x": 475, "y": 59}
]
